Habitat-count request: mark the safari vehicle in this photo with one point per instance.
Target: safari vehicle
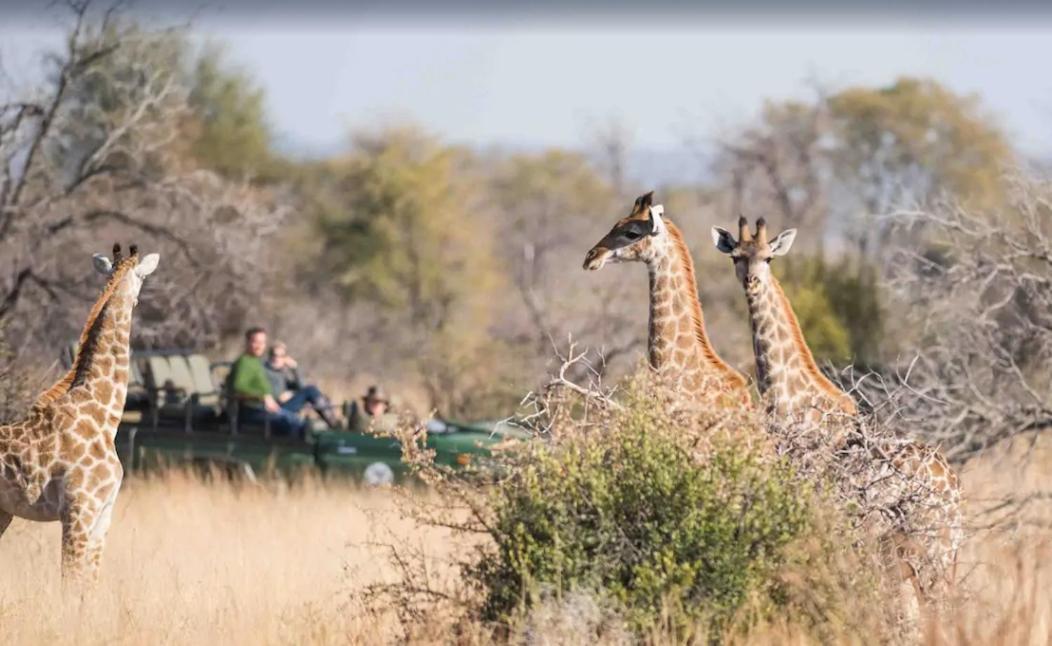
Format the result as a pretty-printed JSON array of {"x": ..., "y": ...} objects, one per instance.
[{"x": 178, "y": 413}]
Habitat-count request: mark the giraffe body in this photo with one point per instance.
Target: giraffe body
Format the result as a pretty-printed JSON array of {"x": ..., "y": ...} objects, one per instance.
[
  {"x": 678, "y": 348},
  {"x": 59, "y": 463},
  {"x": 911, "y": 480}
]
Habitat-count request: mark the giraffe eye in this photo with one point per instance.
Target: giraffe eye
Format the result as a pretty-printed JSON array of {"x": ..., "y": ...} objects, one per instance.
[{"x": 632, "y": 235}]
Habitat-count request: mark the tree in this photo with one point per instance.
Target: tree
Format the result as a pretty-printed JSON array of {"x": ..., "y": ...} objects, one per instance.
[
  {"x": 976, "y": 294},
  {"x": 403, "y": 231},
  {"x": 843, "y": 160},
  {"x": 93, "y": 156},
  {"x": 548, "y": 203},
  {"x": 909, "y": 143},
  {"x": 230, "y": 130},
  {"x": 839, "y": 165},
  {"x": 776, "y": 166}
]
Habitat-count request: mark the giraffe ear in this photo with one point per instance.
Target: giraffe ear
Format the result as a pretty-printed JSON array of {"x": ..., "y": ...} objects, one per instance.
[
  {"x": 782, "y": 243},
  {"x": 102, "y": 264},
  {"x": 723, "y": 239},
  {"x": 656, "y": 223},
  {"x": 147, "y": 265}
]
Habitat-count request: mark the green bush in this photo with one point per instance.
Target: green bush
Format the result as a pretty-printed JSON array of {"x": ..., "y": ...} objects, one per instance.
[
  {"x": 838, "y": 305},
  {"x": 672, "y": 525}
]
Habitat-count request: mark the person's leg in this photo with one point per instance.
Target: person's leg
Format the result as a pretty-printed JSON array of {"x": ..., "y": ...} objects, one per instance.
[
  {"x": 310, "y": 394},
  {"x": 302, "y": 397}
]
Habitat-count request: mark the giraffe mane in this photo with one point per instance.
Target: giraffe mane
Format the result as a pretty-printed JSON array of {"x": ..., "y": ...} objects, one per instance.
[
  {"x": 696, "y": 315},
  {"x": 810, "y": 366},
  {"x": 88, "y": 341}
]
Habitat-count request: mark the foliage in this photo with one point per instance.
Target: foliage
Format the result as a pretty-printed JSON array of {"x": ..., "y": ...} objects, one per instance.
[
  {"x": 921, "y": 134},
  {"x": 636, "y": 513},
  {"x": 838, "y": 305},
  {"x": 214, "y": 113},
  {"x": 406, "y": 237},
  {"x": 402, "y": 230},
  {"x": 839, "y": 162},
  {"x": 120, "y": 112},
  {"x": 231, "y": 135}
]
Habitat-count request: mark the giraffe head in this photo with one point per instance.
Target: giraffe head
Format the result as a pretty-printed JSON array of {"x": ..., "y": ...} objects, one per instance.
[
  {"x": 634, "y": 238},
  {"x": 752, "y": 254},
  {"x": 126, "y": 274}
]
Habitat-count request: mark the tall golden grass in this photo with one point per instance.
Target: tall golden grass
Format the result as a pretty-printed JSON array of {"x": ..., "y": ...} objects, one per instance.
[{"x": 193, "y": 562}]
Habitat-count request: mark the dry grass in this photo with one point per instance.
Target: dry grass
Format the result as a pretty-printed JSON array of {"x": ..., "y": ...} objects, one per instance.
[
  {"x": 192, "y": 562},
  {"x": 1006, "y": 569}
]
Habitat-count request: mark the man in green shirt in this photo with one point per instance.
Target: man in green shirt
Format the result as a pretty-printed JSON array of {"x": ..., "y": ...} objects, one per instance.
[{"x": 252, "y": 387}]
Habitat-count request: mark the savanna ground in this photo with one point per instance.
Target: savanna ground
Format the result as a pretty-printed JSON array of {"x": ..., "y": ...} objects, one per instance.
[
  {"x": 192, "y": 562},
  {"x": 907, "y": 195}
]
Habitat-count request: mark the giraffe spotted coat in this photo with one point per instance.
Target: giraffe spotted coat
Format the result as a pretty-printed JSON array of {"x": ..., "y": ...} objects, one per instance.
[{"x": 59, "y": 462}]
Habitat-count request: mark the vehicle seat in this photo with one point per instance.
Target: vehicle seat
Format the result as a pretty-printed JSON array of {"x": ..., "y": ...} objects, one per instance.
[
  {"x": 208, "y": 393},
  {"x": 161, "y": 384}
]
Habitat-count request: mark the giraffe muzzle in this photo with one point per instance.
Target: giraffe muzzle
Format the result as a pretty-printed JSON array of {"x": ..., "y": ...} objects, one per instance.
[{"x": 596, "y": 258}]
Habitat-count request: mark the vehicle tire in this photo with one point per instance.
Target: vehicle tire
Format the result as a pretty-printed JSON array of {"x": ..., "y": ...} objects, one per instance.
[{"x": 378, "y": 474}]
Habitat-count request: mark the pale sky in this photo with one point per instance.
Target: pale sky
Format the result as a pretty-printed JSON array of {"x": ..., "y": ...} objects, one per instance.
[
  {"x": 535, "y": 86},
  {"x": 539, "y": 85}
]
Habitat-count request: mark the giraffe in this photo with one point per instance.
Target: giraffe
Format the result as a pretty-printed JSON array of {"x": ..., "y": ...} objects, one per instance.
[
  {"x": 59, "y": 463},
  {"x": 797, "y": 393},
  {"x": 678, "y": 346}
]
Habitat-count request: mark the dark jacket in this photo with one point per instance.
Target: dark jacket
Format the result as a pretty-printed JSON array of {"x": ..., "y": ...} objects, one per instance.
[{"x": 282, "y": 379}]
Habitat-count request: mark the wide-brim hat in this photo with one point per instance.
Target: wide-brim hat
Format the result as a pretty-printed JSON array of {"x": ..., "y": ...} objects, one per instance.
[{"x": 376, "y": 393}]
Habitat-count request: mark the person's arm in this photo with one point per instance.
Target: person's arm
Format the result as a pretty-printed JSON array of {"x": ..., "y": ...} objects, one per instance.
[{"x": 294, "y": 380}]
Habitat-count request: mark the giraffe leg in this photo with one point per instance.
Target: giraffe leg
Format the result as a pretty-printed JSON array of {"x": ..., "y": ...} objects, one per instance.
[
  {"x": 97, "y": 536},
  {"x": 5, "y": 520},
  {"x": 77, "y": 521}
]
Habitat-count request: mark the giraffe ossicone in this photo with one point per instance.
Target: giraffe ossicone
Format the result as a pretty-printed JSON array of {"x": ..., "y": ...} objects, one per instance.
[{"x": 59, "y": 463}]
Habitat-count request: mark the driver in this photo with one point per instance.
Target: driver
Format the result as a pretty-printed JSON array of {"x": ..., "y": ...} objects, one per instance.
[{"x": 372, "y": 412}]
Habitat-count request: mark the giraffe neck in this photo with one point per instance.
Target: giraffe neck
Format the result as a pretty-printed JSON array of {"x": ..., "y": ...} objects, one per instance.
[
  {"x": 97, "y": 384},
  {"x": 103, "y": 371},
  {"x": 786, "y": 371},
  {"x": 678, "y": 343}
]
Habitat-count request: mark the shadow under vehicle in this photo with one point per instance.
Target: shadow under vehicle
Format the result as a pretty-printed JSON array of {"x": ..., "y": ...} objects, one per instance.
[{"x": 179, "y": 413}]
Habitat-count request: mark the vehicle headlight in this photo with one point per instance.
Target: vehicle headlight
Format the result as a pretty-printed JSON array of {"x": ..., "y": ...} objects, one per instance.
[{"x": 463, "y": 459}]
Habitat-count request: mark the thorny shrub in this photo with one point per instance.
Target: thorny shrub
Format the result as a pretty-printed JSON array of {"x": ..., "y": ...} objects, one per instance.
[{"x": 674, "y": 519}]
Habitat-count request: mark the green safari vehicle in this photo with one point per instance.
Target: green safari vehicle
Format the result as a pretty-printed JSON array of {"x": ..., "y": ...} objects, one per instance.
[{"x": 177, "y": 414}]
